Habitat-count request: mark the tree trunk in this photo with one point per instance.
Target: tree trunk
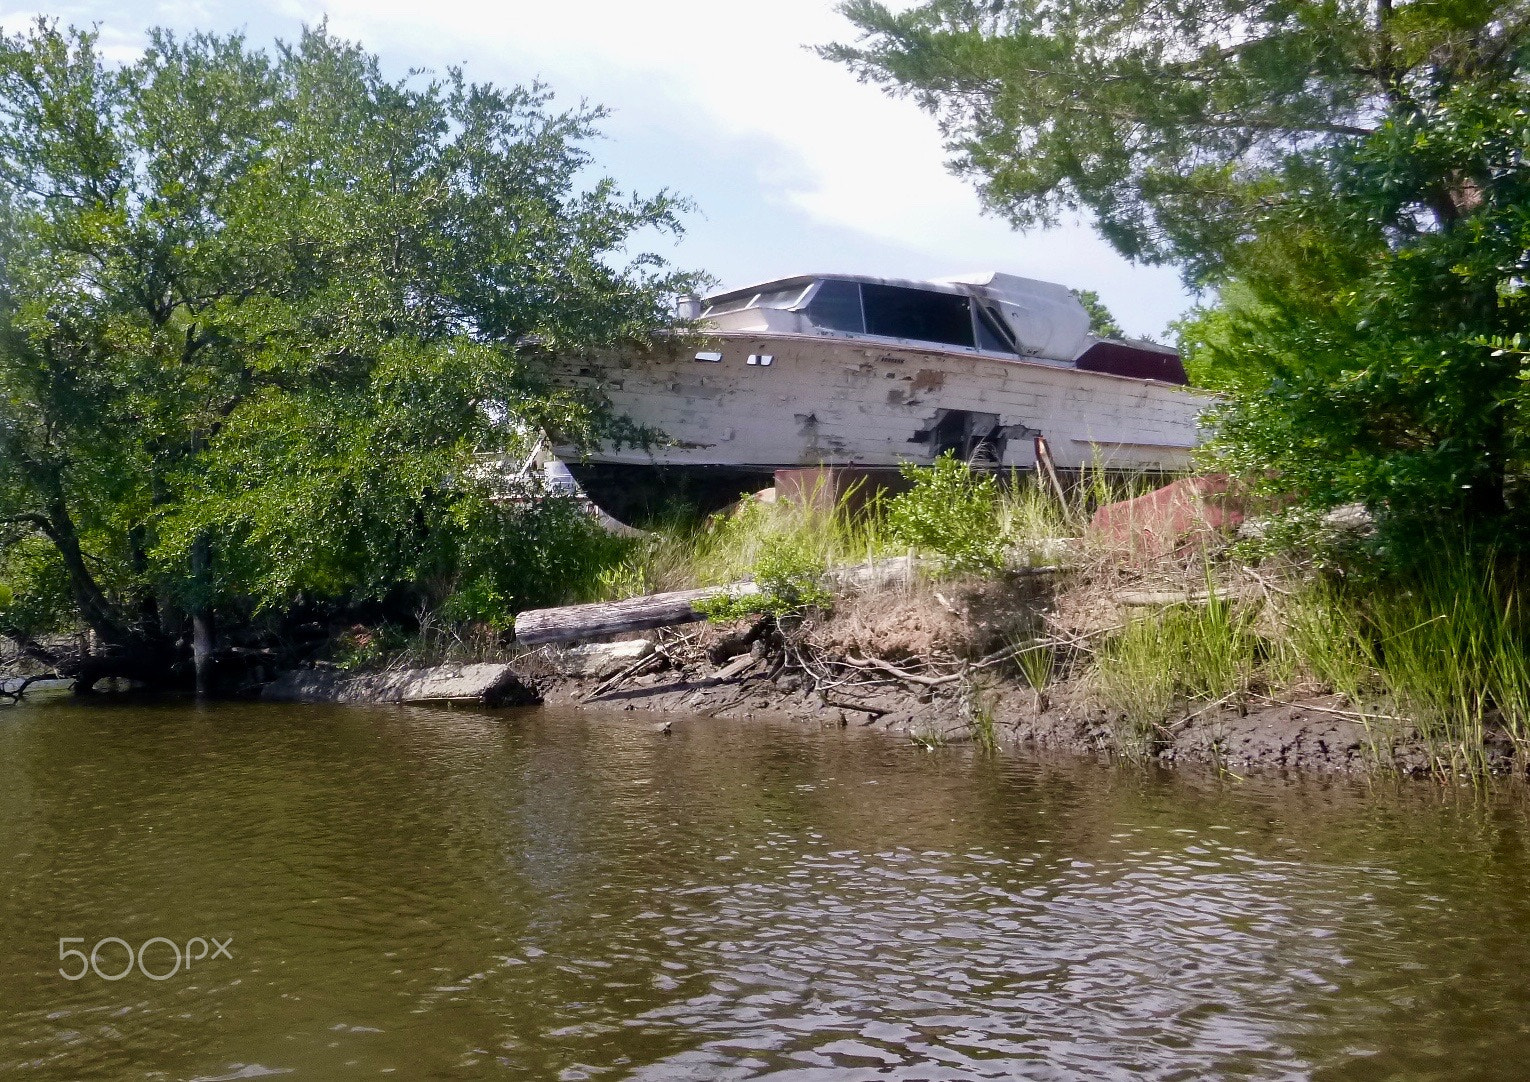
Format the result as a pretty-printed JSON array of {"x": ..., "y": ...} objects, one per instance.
[
  {"x": 126, "y": 650},
  {"x": 95, "y": 609},
  {"x": 202, "y": 627},
  {"x": 571, "y": 622},
  {"x": 148, "y": 604}
]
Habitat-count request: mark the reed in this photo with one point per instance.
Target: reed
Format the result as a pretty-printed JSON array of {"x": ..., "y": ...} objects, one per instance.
[
  {"x": 1451, "y": 652},
  {"x": 1183, "y": 654}
]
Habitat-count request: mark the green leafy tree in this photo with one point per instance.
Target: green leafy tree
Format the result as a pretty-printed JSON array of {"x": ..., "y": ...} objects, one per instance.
[
  {"x": 1369, "y": 352},
  {"x": 1174, "y": 123},
  {"x": 1101, "y": 322},
  {"x": 1348, "y": 176},
  {"x": 258, "y": 311}
]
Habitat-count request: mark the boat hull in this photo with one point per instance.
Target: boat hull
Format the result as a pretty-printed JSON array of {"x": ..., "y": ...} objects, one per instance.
[{"x": 760, "y": 402}]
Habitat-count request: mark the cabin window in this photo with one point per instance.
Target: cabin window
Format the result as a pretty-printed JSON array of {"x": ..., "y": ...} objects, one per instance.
[
  {"x": 837, "y": 307},
  {"x": 991, "y": 334},
  {"x": 734, "y": 304},
  {"x": 779, "y": 298},
  {"x": 899, "y": 312}
]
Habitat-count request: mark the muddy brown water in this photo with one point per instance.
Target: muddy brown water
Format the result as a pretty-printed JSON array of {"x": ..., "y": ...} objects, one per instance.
[{"x": 433, "y": 894}]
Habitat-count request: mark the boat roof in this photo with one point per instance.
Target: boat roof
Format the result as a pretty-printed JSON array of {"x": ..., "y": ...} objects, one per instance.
[
  {"x": 936, "y": 285},
  {"x": 997, "y": 284}
]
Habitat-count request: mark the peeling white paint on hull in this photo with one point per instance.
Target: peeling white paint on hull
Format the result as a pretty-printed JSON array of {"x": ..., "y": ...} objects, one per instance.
[{"x": 822, "y": 400}]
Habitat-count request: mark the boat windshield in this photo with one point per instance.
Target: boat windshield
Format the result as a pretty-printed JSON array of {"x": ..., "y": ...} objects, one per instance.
[
  {"x": 780, "y": 297},
  {"x": 882, "y": 309},
  {"x": 921, "y": 315}
]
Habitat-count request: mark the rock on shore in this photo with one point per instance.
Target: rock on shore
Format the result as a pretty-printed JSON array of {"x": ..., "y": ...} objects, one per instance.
[{"x": 490, "y": 683}]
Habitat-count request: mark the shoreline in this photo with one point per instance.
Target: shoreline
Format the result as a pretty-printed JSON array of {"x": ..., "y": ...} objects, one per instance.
[
  {"x": 699, "y": 675},
  {"x": 1315, "y": 735},
  {"x": 1312, "y": 736}
]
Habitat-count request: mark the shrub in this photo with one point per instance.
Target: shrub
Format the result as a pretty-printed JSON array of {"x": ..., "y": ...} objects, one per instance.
[
  {"x": 951, "y": 513},
  {"x": 790, "y": 577},
  {"x": 34, "y": 590},
  {"x": 508, "y": 557}
]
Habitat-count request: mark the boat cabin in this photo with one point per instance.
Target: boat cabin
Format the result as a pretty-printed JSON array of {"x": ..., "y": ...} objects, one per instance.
[{"x": 994, "y": 314}]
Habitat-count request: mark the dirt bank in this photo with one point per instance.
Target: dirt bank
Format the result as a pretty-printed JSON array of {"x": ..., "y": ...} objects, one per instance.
[{"x": 1315, "y": 735}]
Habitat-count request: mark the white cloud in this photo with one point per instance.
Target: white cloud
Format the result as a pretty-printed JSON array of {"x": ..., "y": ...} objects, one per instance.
[
  {"x": 851, "y": 155},
  {"x": 726, "y": 101},
  {"x": 844, "y": 154}
]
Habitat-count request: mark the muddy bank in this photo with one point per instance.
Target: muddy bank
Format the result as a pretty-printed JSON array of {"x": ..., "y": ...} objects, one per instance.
[{"x": 1316, "y": 735}]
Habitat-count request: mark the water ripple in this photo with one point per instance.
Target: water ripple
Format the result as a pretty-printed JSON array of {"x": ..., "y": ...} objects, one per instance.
[{"x": 447, "y": 894}]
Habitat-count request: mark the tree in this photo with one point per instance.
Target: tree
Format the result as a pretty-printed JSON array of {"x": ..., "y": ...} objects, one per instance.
[
  {"x": 1175, "y": 123},
  {"x": 1101, "y": 322},
  {"x": 1348, "y": 176},
  {"x": 259, "y": 310},
  {"x": 1369, "y": 353}
]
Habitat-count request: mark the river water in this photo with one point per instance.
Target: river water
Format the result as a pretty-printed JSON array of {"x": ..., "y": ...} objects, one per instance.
[{"x": 435, "y": 894}]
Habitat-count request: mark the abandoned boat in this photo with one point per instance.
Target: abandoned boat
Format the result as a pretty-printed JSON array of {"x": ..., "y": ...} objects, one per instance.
[{"x": 842, "y": 370}]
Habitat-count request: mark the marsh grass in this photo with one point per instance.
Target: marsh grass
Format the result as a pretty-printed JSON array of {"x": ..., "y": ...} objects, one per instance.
[
  {"x": 1181, "y": 654},
  {"x": 1438, "y": 652},
  {"x": 1450, "y": 647},
  {"x": 1037, "y": 662},
  {"x": 977, "y": 702},
  {"x": 1320, "y": 643}
]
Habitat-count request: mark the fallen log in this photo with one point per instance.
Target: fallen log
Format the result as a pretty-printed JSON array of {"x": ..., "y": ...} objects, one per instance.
[
  {"x": 569, "y": 622},
  {"x": 1142, "y": 599}
]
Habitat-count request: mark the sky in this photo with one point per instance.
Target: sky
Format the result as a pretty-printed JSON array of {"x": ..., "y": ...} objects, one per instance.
[{"x": 792, "y": 165}]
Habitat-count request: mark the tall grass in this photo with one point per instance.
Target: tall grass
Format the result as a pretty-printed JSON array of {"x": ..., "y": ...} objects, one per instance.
[
  {"x": 1035, "y": 527},
  {"x": 1179, "y": 655},
  {"x": 1451, "y": 652},
  {"x": 727, "y": 547},
  {"x": 1320, "y": 643},
  {"x": 1440, "y": 651}
]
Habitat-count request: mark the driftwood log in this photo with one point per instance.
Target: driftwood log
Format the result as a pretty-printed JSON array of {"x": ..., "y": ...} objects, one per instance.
[{"x": 571, "y": 622}]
